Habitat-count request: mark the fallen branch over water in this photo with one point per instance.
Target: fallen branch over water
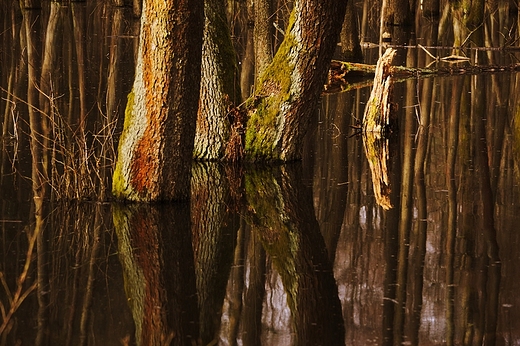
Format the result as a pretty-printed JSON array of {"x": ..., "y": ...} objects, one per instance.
[{"x": 345, "y": 76}]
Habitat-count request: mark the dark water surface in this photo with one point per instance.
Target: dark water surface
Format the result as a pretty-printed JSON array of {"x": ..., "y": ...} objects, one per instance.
[{"x": 298, "y": 254}]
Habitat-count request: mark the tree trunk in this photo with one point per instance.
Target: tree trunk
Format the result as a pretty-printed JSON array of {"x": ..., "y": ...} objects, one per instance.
[
  {"x": 288, "y": 91},
  {"x": 156, "y": 146},
  {"x": 247, "y": 64},
  {"x": 350, "y": 45},
  {"x": 219, "y": 84},
  {"x": 262, "y": 35}
]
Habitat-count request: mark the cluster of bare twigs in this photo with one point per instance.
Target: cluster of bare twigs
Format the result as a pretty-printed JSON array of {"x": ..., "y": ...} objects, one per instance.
[{"x": 81, "y": 158}]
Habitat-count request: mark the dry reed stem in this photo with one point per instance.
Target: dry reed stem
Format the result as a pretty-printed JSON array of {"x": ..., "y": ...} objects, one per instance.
[
  {"x": 16, "y": 299},
  {"x": 79, "y": 167}
]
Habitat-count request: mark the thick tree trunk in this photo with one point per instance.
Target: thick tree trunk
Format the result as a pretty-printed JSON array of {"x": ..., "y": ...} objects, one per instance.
[
  {"x": 288, "y": 91},
  {"x": 219, "y": 84},
  {"x": 156, "y": 146}
]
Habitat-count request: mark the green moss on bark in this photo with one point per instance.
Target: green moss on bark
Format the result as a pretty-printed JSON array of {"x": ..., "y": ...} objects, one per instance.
[
  {"x": 274, "y": 86},
  {"x": 119, "y": 183},
  {"x": 276, "y": 230}
]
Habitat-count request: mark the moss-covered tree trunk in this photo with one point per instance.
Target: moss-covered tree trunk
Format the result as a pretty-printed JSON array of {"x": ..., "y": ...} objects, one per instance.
[
  {"x": 156, "y": 146},
  {"x": 289, "y": 89},
  {"x": 219, "y": 84}
]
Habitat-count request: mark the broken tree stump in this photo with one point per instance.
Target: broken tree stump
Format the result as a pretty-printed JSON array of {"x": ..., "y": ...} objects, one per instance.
[
  {"x": 379, "y": 105},
  {"x": 375, "y": 121}
]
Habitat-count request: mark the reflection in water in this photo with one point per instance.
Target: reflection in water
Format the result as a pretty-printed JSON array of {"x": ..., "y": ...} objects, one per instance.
[
  {"x": 155, "y": 251},
  {"x": 215, "y": 223},
  {"x": 280, "y": 210},
  {"x": 299, "y": 254}
]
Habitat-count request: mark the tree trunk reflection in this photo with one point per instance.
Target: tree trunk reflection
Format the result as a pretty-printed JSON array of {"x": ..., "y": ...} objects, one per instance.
[
  {"x": 280, "y": 210},
  {"x": 214, "y": 230},
  {"x": 157, "y": 258}
]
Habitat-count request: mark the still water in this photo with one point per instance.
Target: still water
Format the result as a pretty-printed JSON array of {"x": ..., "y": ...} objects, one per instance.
[{"x": 298, "y": 254}]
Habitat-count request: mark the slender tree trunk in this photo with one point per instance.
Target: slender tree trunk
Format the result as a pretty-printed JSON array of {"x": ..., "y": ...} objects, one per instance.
[
  {"x": 156, "y": 146},
  {"x": 288, "y": 91},
  {"x": 247, "y": 70},
  {"x": 262, "y": 35},
  {"x": 350, "y": 46}
]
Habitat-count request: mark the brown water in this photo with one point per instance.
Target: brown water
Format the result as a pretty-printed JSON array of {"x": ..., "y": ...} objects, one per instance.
[{"x": 297, "y": 254}]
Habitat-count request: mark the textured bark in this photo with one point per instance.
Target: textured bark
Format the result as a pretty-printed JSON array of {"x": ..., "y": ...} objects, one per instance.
[
  {"x": 218, "y": 87},
  {"x": 350, "y": 45},
  {"x": 376, "y": 120},
  {"x": 262, "y": 35},
  {"x": 378, "y": 109},
  {"x": 288, "y": 91},
  {"x": 214, "y": 228},
  {"x": 156, "y": 145}
]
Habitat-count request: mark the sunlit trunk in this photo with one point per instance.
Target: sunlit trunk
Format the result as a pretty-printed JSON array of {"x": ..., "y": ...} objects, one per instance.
[
  {"x": 219, "y": 87},
  {"x": 262, "y": 35},
  {"x": 115, "y": 49},
  {"x": 156, "y": 146},
  {"x": 288, "y": 91},
  {"x": 39, "y": 178}
]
